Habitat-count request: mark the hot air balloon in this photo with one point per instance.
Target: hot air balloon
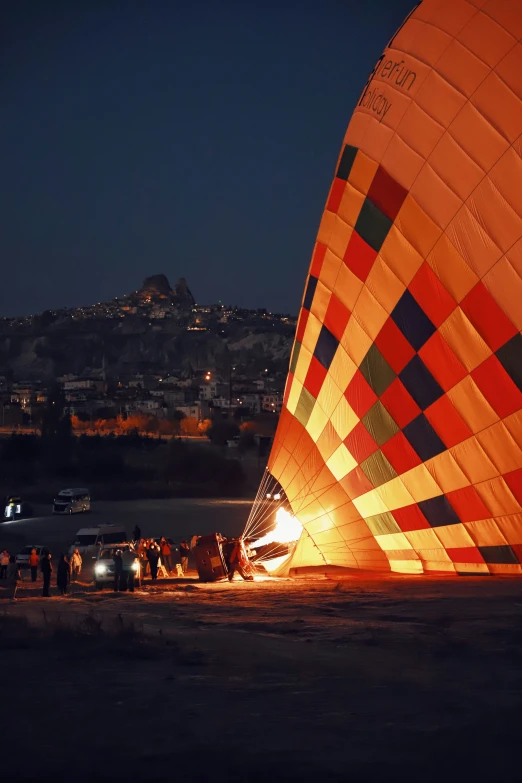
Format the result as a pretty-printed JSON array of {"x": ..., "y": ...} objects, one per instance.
[{"x": 399, "y": 446}]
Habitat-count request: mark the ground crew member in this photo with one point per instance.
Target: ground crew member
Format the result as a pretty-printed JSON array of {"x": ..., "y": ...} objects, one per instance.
[
  {"x": 4, "y": 562},
  {"x": 118, "y": 569},
  {"x": 184, "y": 552},
  {"x": 33, "y": 564},
  {"x": 63, "y": 574},
  {"x": 46, "y": 567},
  {"x": 166, "y": 554},
  {"x": 13, "y": 577},
  {"x": 153, "y": 555},
  {"x": 238, "y": 561},
  {"x": 76, "y": 564},
  {"x": 128, "y": 559}
]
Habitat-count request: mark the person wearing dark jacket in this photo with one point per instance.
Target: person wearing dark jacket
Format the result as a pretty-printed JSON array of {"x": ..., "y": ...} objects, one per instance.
[
  {"x": 118, "y": 570},
  {"x": 63, "y": 574},
  {"x": 153, "y": 557},
  {"x": 128, "y": 559},
  {"x": 184, "y": 552},
  {"x": 46, "y": 567},
  {"x": 13, "y": 577},
  {"x": 136, "y": 534}
]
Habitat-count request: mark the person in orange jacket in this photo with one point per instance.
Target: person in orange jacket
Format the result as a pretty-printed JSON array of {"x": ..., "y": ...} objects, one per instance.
[
  {"x": 239, "y": 562},
  {"x": 166, "y": 554},
  {"x": 34, "y": 560}
]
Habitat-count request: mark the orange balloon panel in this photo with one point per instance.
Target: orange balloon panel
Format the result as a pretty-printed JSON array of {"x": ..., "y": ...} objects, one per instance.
[{"x": 399, "y": 445}]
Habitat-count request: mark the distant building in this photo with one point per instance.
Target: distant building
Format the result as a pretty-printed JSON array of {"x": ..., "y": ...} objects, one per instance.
[
  {"x": 89, "y": 406},
  {"x": 89, "y": 384},
  {"x": 25, "y": 393},
  {"x": 191, "y": 411},
  {"x": 251, "y": 401},
  {"x": 141, "y": 382},
  {"x": 152, "y": 406},
  {"x": 272, "y": 403},
  {"x": 223, "y": 402},
  {"x": 208, "y": 391},
  {"x": 174, "y": 397}
]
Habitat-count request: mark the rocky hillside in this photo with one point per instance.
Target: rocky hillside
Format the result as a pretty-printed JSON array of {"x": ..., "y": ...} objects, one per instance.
[
  {"x": 134, "y": 345},
  {"x": 156, "y": 329}
]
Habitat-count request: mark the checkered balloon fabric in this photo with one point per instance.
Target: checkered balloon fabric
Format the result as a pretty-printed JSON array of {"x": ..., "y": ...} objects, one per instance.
[{"x": 399, "y": 446}]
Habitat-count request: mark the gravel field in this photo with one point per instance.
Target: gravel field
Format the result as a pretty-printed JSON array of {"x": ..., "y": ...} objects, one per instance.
[
  {"x": 176, "y": 518},
  {"x": 364, "y": 679}
]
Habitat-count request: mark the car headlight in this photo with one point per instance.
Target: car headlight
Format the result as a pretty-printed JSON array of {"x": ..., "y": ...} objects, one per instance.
[
  {"x": 99, "y": 568},
  {"x": 136, "y": 566}
]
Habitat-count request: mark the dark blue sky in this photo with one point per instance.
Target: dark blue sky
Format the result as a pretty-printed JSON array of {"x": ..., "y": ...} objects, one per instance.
[{"x": 195, "y": 138}]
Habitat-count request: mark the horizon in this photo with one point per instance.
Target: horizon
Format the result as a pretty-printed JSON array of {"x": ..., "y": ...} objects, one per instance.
[{"x": 118, "y": 297}]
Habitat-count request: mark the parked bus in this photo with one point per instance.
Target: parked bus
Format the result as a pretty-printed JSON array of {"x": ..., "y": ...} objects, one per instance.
[{"x": 69, "y": 501}]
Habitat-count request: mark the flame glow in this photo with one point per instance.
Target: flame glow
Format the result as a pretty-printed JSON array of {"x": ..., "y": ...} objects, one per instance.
[{"x": 286, "y": 530}]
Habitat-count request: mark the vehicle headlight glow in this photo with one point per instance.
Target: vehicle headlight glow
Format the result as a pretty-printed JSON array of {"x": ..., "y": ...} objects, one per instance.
[
  {"x": 135, "y": 566},
  {"x": 277, "y": 496},
  {"x": 100, "y": 568}
]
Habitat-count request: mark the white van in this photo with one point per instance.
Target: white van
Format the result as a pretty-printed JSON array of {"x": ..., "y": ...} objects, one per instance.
[
  {"x": 69, "y": 501},
  {"x": 89, "y": 539}
]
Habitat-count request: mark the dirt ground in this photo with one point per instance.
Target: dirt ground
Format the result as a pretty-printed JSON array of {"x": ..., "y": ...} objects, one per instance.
[{"x": 363, "y": 679}]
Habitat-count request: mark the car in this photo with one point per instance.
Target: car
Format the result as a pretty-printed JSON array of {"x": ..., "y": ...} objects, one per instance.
[
  {"x": 104, "y": 566},
  {"x": 22, "y": 558}
]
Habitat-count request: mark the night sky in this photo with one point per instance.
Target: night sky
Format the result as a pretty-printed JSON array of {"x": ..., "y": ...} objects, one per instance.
[{"x": 197, "y": 139}]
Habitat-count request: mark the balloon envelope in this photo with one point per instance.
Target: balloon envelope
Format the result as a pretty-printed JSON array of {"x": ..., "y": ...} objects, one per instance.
[{"x": 400, "y": 441}]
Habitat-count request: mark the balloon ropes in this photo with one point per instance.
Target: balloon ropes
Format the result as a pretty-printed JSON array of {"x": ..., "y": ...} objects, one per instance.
[{"x": 399, "y": 446}]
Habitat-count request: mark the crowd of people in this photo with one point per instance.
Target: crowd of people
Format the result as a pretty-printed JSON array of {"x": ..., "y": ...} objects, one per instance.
[
  {"x": 131, "y": 562},
  {"x": 160, "y": 555},
  {"x": 155, "y": 556},
  {"x": 67, "y": 570}
]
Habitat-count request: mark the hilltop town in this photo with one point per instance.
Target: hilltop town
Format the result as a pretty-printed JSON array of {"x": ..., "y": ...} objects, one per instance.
[{"x": 154, "y": 352}]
